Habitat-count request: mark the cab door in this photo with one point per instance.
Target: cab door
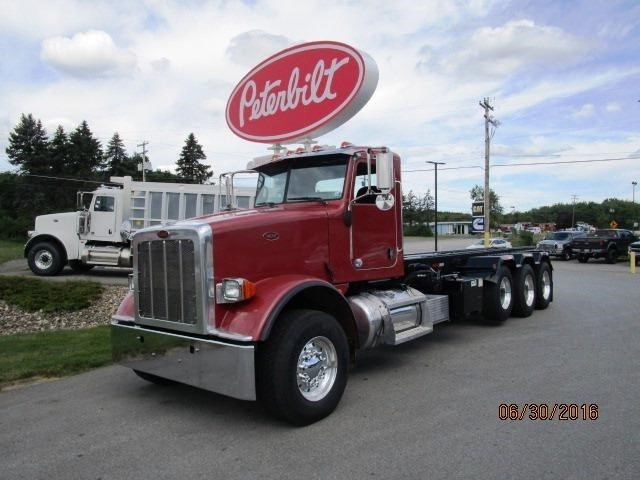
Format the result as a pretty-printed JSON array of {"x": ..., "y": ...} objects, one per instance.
[
  {"x": 373, "y": 231},
  {"x": 103, "y": 217}
]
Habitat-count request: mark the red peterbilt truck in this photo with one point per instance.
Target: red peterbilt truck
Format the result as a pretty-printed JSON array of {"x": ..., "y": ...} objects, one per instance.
[{"x": 274, "y": 303}]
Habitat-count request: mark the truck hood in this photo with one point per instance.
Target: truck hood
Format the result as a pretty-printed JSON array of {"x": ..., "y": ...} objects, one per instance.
[
  {"x": 271, "y": 241},
  {"x": 44, "y": 223}
]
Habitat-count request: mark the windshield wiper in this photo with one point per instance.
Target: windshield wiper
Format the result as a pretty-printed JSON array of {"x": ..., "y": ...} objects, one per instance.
[{"x": 295, "y": 199}]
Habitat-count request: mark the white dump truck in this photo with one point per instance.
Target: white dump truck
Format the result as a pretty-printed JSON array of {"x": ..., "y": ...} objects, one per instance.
[{"x": 99, "y": 232}]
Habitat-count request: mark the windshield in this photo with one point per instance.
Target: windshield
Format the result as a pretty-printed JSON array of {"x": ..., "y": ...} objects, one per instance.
[
  {"x": 558, "y": 236},
  {"x": 300, "y": 180}
]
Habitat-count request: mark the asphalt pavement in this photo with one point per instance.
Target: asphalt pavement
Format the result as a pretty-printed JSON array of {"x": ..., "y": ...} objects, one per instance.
[{"x": 426, "y": 409}]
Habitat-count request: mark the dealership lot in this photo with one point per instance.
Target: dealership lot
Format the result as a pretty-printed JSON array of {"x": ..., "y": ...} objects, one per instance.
[{"x": 427, "y": 409}]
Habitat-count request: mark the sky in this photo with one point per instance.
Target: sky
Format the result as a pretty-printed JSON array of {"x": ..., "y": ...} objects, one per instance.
[{"x": 563, "y": 78}]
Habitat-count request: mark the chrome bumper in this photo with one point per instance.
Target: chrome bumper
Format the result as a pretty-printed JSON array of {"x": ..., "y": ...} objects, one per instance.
[{"x": 212, "y": 365}]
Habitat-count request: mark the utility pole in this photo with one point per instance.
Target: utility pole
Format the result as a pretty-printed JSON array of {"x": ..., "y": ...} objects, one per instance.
[
  {"x": 435, "y": 164},
  {"x": 144, "y": 159},
  {"x": 488, "y": 120},
  {"x": 573, "y": 210},
  {"x": 633, "y": 186}
]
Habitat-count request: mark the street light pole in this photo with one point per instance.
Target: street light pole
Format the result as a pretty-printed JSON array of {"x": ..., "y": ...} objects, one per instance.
[{"x": 435, "y": 165}]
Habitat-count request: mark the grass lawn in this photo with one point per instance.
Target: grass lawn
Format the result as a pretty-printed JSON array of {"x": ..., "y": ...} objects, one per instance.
[
  {"x": 10, "y": 250},
  {"x": 32, "y": 294},
  {"x": 53, "y": 354}
]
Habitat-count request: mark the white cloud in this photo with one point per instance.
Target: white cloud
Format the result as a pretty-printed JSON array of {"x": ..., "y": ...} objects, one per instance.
[
  {"x": 87, "y": 54},
  {"x": 250, "y": 48},
  {"x": 517, "y": 45},
  {"x": 587, "y": 110},
  {"x": 613, "y": 107}
]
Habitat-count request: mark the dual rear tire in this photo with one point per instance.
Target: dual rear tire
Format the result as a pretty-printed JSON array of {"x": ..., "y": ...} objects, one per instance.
[{"x": 518, "y": 294}]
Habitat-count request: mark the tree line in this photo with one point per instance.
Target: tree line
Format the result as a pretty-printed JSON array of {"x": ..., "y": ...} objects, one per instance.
[
  {"x": 50, "y": 170},
  {"x": 80, "y": 155}
]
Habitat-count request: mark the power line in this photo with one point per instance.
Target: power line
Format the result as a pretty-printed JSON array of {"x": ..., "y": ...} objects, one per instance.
[
  {"x": 564, "y": 162},
  {"x": 60, "y": 178},
  {"x": 558, "y": 162}
]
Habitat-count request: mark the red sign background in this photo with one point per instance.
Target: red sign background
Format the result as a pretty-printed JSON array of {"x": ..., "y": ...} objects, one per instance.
[{"x": 301, "y": 92}]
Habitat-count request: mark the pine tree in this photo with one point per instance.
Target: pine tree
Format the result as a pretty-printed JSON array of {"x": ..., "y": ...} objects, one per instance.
[
  {"x": 190, "y": 170},
  {"x": 118, "y": 163},
  {"x": 85, "y": 152},
  {"x": 29, "y": 146},
  {"x": 59, "y": 153}
]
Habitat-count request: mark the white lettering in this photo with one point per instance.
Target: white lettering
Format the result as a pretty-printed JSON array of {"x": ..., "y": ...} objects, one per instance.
[
  {"x": 244, "y": 102},
  {"x": 317, "y": 88}
]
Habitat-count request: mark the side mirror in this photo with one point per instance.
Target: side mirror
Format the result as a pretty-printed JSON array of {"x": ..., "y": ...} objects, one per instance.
[{"x": 384, "y": 172}]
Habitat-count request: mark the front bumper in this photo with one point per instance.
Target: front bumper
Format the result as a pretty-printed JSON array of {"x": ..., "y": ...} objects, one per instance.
[{"x": 213, "y": 365}]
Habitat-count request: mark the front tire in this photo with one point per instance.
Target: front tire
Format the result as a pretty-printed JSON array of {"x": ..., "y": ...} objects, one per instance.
[
  {"x": 525, "y": 291},
  {"x": 498, "y": 297},
  {"x": 45, "y": 259},
  {"x": 566, "y": 255},
  {"x": 302, "y": 367}
]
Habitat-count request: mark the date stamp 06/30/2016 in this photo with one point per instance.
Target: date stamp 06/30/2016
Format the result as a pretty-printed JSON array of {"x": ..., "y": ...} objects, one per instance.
[{"x": 548, "y": 411}]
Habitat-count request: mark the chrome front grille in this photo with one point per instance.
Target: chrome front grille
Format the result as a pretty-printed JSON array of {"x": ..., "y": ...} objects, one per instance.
[{"x": 166, "y": 271}]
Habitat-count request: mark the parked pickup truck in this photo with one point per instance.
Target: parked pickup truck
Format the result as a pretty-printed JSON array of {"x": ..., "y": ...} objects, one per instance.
[
  {"x": 608, "y": 244},
  {"x": 559, "y": 243}
]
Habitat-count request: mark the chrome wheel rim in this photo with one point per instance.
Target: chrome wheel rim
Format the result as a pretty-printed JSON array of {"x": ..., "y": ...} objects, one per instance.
[
  {"x": 43, "y": 259},
  {"x": 529, "y": 290},
  {"x": 317, "y": 368},
  {"x": 546, "y": 284},
  {"x": 505, "y": 293}
]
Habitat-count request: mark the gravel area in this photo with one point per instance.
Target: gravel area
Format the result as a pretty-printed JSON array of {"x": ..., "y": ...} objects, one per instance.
[{"x": 14, "y": 320}]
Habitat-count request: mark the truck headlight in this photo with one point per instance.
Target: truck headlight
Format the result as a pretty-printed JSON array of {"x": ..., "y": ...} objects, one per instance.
[{"x": 232, "y": 290}]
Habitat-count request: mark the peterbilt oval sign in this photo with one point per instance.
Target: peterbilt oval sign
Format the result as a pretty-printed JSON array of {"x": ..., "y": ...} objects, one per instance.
[{"x": 301, "y": 93}]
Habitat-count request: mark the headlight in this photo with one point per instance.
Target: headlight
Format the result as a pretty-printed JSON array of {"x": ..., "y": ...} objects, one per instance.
[{"x": 232, "y": 290}]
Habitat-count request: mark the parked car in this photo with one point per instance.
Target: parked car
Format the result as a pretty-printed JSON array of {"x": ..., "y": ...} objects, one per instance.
[
  {"x": 558, "y": 244},
  {"x": 493, "y": 243}
]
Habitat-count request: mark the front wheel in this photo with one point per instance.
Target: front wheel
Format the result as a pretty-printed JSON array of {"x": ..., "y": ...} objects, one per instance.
[
  {"x": 45, "y": 259},
  {"x": 566, "y": 255},
  {"x": 498, "y": 298},
  {"x": 302, "y": 367}
]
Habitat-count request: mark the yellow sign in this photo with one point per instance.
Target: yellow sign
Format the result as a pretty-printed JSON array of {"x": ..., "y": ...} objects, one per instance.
[{"x": 613, "y": 224}]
